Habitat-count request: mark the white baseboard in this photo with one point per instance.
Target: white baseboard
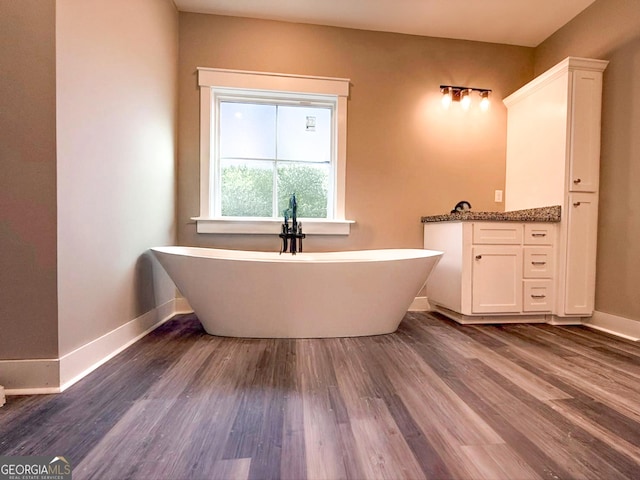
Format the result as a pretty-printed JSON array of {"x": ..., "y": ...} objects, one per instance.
[
  {"x": 28, "y": 377},
  {"x": 182, "y": 306},
  {"x": 489, "y": 319},
  {"x": 2, "y": 400},
  {"x": 420, "y": 304},
  {"x": 78, "y": 364},
  {"x": 559, "y": 321},
  {"x": 615, "y": 325}
]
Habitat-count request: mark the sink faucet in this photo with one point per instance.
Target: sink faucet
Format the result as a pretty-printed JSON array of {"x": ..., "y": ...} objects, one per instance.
[
  {"x": 291, "y": 235},
  {"x": 461, "y": 206}
]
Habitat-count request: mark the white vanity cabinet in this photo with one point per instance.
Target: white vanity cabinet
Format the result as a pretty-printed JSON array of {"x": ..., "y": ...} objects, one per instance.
[{"x": 493, "y": 272}]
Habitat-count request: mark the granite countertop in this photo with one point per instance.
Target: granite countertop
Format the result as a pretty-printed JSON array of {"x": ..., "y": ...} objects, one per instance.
[{"x": 543, "y": 214}]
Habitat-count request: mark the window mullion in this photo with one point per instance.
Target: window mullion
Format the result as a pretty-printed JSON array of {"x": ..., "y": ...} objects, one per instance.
[
  {"x": 275, "y": 171},
  {"x": 217, "y": 168}
]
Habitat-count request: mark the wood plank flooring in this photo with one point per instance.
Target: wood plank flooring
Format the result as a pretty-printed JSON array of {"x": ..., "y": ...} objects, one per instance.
[{"x": 434, "y": 400}]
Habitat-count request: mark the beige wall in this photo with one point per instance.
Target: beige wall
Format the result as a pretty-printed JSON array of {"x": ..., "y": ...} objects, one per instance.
[
  {"x": 116, "y": 118},
  {"x": 28, "y": 305},
  {"x": 406, "y": 157},
  {"x": 610, "y": 30}
]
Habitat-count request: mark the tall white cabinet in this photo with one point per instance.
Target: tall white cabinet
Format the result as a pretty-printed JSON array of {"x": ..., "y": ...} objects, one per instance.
[{"x": 553, "y": 158}]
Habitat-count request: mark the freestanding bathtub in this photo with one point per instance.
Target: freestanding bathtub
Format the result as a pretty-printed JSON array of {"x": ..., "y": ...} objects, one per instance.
[{"x": 238, "y": 293}]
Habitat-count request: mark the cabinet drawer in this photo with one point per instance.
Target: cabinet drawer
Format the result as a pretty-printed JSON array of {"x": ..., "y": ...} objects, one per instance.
[
  {"x": 497, "y": 233},
  {"x": 537, "y": 234},
  {"x": 538, "y": 262},
  {"x": 537, "y": 296}
]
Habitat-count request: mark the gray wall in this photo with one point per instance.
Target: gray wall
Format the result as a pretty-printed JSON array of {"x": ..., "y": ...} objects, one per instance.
[{"x": 28, "y": 286}]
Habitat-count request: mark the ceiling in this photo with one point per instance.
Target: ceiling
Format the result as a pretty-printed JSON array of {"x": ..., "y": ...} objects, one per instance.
[{"x": 514, "y": 22}]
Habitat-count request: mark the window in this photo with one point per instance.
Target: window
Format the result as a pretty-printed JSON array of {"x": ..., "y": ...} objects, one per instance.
[
  {"x": 264, "y": 136},
  {"x": 267, "y": 151}
]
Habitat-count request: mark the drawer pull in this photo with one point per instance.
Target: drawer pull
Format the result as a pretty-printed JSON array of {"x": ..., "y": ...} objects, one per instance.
[
  {"x": 538, "y": 234},
  {"x": 478, "y": 257},
  {"x": 577, "y": 181},
  {"x": 538, "y": 296},
  {"x": 538, "y": 263},
  {"x": 576, "y": 204}
]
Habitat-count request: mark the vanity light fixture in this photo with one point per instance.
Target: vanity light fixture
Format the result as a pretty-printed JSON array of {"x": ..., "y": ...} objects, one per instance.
[{"x": 452, "y": 93}]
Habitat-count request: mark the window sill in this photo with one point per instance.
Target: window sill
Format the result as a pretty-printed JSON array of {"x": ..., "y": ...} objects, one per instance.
[{"x": 270, "y": 226}]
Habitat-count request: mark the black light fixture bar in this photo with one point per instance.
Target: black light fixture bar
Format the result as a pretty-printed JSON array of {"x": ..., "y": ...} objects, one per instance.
[{"x": 473, "y": 89}]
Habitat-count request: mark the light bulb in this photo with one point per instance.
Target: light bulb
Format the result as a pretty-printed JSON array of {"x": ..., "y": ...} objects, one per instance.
[
  {"x": 446, "y": 96},
  {"x": 484, "y": 103},
  {"x": 465, "y": 99}
]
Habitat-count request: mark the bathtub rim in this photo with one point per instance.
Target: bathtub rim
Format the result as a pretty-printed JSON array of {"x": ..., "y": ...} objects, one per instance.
[{"x": 342, "y": 256}]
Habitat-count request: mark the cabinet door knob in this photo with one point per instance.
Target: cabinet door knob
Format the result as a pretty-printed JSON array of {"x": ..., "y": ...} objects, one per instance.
[
  {"x": 576, "y": 204},
  {"x": 577, "y": 180},
  {"x": 478, "y": 257}
]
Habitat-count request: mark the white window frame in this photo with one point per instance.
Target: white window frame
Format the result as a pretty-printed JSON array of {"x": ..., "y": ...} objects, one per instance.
[{"x": 213, "y": 81}]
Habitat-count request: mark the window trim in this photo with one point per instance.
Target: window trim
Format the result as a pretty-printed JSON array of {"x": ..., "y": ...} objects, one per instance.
[{"x": 214, "y": 78}]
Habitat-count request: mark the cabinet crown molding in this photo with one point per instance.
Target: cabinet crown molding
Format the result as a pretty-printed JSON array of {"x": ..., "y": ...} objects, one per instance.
[{"x": 569, "y": 64}]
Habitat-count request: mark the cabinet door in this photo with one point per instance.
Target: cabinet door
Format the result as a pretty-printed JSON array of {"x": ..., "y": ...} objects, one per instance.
[
  {"x": 580, "y": 274},
  {"x": 497, "y": 279},
  {"x": 585, "y": 131}
]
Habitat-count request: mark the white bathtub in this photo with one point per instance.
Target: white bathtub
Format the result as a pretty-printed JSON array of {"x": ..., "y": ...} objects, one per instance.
[{"x": 309, "y": 295}]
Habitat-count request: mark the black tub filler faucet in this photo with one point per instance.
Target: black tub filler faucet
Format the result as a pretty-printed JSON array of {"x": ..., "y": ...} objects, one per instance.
[{"x": 291, "y": 234}]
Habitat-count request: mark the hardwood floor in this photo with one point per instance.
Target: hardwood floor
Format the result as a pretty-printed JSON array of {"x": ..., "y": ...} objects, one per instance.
[{"x": 434, "y": 400}]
